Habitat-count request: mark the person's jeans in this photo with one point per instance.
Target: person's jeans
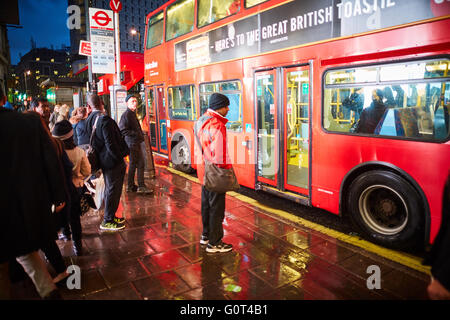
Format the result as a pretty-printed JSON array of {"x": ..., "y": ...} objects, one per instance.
[
  {"x": 213, "y": 213},
  {"x": 113, "y": 190},
  {"x": 136, "y": 162}
]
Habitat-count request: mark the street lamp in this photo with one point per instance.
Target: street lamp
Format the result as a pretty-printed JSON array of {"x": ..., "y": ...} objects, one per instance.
[
  {"x": 134, "y": 32},
  {"x": 28, "y": 72}
]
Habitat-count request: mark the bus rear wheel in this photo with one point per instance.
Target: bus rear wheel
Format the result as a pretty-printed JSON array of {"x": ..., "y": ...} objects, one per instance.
[
  {"x": 181, "y": 156},
  {"x": 386, "y": 209}
]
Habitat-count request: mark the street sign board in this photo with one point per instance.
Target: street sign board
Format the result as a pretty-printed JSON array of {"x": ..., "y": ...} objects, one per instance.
[
  {"x": 115, "y": 5},
  {"x": 85, "y": 48},
  {"x": 102, "y": 40}
]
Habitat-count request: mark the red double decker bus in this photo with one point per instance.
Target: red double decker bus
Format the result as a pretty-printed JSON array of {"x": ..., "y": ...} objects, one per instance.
[{"x": 341, "y": 105}]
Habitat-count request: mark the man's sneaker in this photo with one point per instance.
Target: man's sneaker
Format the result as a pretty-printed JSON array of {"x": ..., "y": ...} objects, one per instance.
[
  {"x": 119, "y": 220},
  {"x": 112, "y": 226},
  {"x": 221, "y": 247},
  {"x": 132, "y": 189},
  {"x": 204, "y": 240},
  {"x": 144, "y": 190}
]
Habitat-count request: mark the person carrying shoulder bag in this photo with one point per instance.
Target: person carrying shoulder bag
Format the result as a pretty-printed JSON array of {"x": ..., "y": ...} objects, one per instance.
[
  {"x": 111, "y": 149},
  {"x": 216, "y": 174}
]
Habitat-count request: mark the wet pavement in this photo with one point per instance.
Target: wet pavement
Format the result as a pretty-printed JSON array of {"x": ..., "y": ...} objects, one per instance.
[{"x": 158, "y": 256}]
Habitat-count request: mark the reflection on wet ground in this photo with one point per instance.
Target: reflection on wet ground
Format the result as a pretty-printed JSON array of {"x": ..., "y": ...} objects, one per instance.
[{"x": 158, "y": 256}]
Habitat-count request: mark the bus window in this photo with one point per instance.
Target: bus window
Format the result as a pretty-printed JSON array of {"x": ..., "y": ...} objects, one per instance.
[
  {"x": 231, "y": 89},
  {"x": 182, "y": 103},
  {"x": 180, "y": 19},
  {"x": 251, "y": 3},
  {"x": 155, "y": 30},
  {"x": 410, "y": 103},
  {"x": 210, "y": 11}
]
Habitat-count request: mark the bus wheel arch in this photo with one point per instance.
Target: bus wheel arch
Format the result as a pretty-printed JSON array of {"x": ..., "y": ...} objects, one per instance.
[
  {"x": 181, "y": 153},
  {"x": 386, "y": 205}
]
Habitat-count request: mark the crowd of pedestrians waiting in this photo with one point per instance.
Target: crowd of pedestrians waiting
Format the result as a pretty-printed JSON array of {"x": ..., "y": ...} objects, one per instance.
[{"x": 42, "y": 201}]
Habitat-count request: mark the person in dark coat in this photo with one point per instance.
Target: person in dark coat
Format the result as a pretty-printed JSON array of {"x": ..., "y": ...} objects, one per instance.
[
  {"x": 111, "y": 149},
  {"x": 372, "y": 115},
  {"x": 439, "y": 256},
  {"x": 27, "y": 197},
  {"x": 131, "y": 130}
]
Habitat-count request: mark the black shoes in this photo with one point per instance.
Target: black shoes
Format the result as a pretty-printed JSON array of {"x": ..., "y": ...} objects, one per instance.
[
  {"x": 220, "y": 247},
  {"x": 144, "y": 190},
  {"x": 132, "y": 189},
  {"x": 204, "y": 240}
]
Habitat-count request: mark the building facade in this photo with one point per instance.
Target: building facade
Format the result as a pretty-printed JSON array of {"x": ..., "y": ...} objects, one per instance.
[{"x": 40, "y": 65}]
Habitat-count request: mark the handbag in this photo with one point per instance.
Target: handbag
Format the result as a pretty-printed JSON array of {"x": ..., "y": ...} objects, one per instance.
[
  {"x": 91, "y": 153},
  {"x": 218, "y": 179},
  {"x": 86, "y": 202}
]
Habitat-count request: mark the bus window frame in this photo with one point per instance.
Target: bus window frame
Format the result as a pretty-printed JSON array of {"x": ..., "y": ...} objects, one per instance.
[
  {"x": 380, "y": 83},
  {"x": 245, "y": 4},
  {"x": 241, "y": 112},
  {"x": 148, "y": 29},
  {"x": 211, "y": 23},
  {"x": 192, "y": 100},
  {"x": 166, "y": 21}
]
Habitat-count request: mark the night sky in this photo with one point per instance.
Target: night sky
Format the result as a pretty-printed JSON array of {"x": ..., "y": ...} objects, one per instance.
[{"x": 45, "y": 21}]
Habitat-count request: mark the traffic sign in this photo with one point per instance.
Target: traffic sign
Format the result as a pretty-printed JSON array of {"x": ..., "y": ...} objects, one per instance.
[
  {"x": 115, "y": 5},
  {"x": 85, "y": 48},
  {"x": 101, "y": 19}
]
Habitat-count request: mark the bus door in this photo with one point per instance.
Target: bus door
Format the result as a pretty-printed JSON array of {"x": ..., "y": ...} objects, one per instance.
[
  {"x": 296, "y": 129},
  {"x": 157, "y": 118},
  {"x": 282, "y": 103},
  {"x": 267, "y": 127},
  {"x": 161, "y": 117}
]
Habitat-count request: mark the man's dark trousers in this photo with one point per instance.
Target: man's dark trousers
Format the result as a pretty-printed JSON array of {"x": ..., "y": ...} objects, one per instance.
[
  {"x": 213, "y": 213},
  {"x": 113, "y": 189},
  {"x": 136, "y": 162}
]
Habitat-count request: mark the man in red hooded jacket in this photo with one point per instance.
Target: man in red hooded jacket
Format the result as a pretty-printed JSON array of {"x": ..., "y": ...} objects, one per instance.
[{"x": 211, "y": 132}]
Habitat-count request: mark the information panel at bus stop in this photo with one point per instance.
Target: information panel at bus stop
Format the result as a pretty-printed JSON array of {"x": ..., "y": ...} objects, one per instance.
[
  {"x": 300, "y": 22},
  {"x": 102, "y": 39}
]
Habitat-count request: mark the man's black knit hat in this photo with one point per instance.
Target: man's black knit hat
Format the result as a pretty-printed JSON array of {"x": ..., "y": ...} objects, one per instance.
[
  {"x": 62, "y": 130},
  {"x": 218, "y": 101},
  {"x": 130, "y": 96}
]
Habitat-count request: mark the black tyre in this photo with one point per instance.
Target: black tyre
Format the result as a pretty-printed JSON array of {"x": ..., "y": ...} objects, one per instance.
[
  {"x": 386, "y": 209},
  {"x": 181, "y": 156}
]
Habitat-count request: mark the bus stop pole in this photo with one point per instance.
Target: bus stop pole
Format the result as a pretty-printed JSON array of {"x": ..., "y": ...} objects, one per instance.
[
  {"x": 117, "y": 34},
  {"x": 91, "y": 87}
]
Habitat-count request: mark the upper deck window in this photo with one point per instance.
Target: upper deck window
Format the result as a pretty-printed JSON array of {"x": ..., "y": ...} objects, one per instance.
[
  {"x": 210, "y": 11},
  {"x": 155, "y": 30},
  {"x": 251, "y": 3},
  {"x": 407, "y": 100},
  {"x": 180, "y": 19}
]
